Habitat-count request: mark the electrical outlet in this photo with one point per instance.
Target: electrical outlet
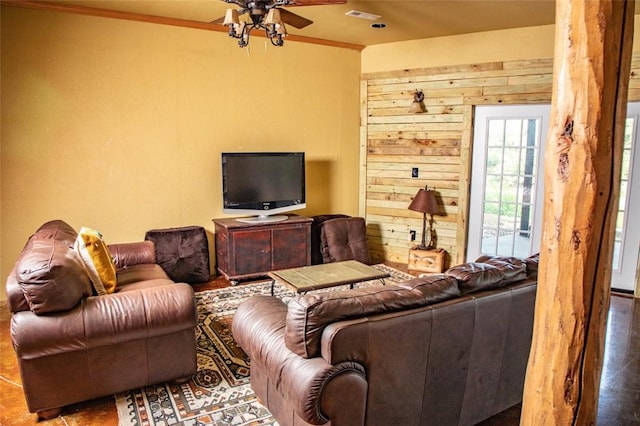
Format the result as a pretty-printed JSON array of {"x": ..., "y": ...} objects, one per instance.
[
  {"x": 412, "y": 235},
  {"x": 414, "y": 172}
]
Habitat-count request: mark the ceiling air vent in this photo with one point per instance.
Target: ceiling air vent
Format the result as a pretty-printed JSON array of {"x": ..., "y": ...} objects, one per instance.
[{"x": 363, "y": 15}]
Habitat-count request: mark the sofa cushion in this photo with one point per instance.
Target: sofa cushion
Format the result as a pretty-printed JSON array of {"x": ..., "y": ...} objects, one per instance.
[
  {"x": 435, "y": 288},
  {"x": 182, "y": 252},
  {"x": 475, "y": 276},
  {"x": 308, "y": 315},
  {"x": 49, "y": 271},
  {"x": 97, "y": 259},
  {"x": 54, "y": 231},
  {"x": 145, "y": 284},
  {"x": 485, "y": 258},
  {"x": 141, "y": 272},
  {"x": 532, "y": 265},
  {"x": 514, "y": 268}
]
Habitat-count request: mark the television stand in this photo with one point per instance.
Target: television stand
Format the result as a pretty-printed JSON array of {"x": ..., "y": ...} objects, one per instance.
[
  {"x": 252, "y": 250},
  {"x": 262, "y": 219}
]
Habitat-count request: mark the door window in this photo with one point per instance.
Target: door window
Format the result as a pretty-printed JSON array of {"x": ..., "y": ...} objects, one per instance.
[{"x": 506, "y": 182}]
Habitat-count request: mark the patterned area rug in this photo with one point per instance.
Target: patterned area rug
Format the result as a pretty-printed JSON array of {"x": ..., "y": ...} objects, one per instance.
[{"x": 219, "y": 394}]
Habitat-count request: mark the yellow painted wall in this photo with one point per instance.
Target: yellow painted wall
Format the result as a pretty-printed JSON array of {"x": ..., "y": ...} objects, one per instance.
[
  {"x": 119, "y": 125},
  {"x": 490, "y": 46},
  {"x": 504, "y": 45}
]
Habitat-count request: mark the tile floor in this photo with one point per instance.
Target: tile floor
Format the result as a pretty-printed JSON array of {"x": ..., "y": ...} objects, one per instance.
[{"x": 619, "y": 395}]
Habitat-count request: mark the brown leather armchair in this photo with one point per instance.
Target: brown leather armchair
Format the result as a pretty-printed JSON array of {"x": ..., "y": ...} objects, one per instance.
[
  {"x": 73, "y": 346},
  {"x": 344, "y": 238}
]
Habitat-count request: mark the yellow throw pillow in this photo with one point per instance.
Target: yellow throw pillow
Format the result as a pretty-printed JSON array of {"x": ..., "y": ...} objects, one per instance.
[{"x": 97, "y": 259}]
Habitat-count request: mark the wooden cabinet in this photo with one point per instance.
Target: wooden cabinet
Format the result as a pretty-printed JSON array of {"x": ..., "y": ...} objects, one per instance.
[{"x": 249, "y": 250}]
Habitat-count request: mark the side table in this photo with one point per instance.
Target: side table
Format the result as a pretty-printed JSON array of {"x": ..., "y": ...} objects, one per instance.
[{"x": 431, "y": 260}]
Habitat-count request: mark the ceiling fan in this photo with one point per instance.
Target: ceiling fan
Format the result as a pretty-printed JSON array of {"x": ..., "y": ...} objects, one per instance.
[{"x": 268, "y": 15}]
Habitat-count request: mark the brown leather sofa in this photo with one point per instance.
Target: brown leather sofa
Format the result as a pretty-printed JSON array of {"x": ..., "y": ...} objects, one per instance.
[
  {"x": 73, "y": 346},
  {"x": 447, "y": 349}
]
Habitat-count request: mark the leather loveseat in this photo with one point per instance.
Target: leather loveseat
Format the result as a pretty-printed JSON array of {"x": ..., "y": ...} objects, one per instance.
[
  {"x": 73, "y": 345},
  {"x": 446, "y": 349}
]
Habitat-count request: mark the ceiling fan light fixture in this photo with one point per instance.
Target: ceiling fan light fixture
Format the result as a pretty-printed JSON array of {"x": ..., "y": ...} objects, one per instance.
[
  {"x": 266, "y": 15},
  {"x": 274, "y": 27}
]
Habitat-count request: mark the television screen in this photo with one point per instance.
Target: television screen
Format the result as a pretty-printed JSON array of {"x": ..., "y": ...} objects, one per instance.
[{"x": 263, "y": 184}]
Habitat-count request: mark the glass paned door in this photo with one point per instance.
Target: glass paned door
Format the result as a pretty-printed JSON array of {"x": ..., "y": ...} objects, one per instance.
[
  {"x": 626, "y": 248},
  {"x": 506, "y": 185},
  {"x": 505, "y": 216}
]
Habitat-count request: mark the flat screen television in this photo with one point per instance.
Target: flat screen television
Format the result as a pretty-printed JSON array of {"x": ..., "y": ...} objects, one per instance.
[{"x": 263, "y": 184}]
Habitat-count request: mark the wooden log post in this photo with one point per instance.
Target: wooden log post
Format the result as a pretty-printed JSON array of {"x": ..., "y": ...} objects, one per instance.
[{"x": 582, "y": 173}]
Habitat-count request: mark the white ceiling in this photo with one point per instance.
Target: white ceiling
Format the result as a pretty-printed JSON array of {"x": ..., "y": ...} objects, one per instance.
[{"x": 405, "y": 19}]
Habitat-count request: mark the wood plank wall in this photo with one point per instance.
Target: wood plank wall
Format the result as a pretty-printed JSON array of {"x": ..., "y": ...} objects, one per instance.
[{"x": 438, "y": 142}]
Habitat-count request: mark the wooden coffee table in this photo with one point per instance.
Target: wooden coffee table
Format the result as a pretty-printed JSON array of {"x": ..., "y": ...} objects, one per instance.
[{"x": 315, "y": 277}]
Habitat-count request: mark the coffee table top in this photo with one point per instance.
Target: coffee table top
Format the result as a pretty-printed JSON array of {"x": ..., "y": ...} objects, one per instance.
[{"x": 315, "y": 277}]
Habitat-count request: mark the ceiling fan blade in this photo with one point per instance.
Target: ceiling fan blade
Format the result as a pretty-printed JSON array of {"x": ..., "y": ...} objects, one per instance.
[
  {"x": 315, "y": 2},
  {"x": 294, "y": 20}
]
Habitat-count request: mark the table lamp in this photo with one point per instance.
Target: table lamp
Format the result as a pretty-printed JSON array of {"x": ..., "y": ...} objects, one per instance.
[{"x": 425, "y": 202}]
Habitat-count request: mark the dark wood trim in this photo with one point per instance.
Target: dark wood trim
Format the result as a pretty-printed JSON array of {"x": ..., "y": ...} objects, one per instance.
[{"x": 138, "y": 17}]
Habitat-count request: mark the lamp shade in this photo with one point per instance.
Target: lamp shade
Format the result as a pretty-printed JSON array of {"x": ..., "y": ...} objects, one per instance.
[
  {"x": 231, "y": 17},
  {"x": 424, "y": 202},
  {"x": 273, "y": 17},
  {"x": 415, "y": 108}
]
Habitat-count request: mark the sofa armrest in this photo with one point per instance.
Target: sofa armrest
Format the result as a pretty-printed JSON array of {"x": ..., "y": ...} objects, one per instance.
[
  {"x": 320, "y": 392},
  {"x": 316, "y": 389},
  {"x": 127, "y": 254},
  {"x": 105, "y": 320}
]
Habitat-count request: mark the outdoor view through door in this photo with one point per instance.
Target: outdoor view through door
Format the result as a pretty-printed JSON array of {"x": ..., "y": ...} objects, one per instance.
[{"x": 507, "y": 187}]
